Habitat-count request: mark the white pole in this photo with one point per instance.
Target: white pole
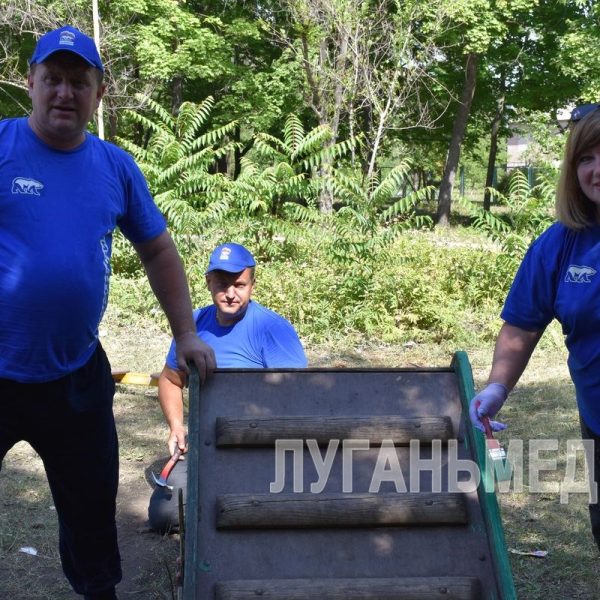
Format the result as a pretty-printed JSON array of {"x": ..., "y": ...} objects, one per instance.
[{"x": 96, "y": 18}]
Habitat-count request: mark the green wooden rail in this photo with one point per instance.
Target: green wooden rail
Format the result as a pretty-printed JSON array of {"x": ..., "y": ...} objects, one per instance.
[
  {"x": 487, "y": 496},
  {"x": 190, "y": 571}
]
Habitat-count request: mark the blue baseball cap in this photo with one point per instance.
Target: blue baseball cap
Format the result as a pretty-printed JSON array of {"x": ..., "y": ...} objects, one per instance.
[
  {"x": 67, "y": 39},
  {"x": 232, "y": 258}
]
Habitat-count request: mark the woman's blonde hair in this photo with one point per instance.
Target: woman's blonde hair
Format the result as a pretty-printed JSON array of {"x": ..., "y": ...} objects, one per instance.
[{"x": 573, "y": 208}]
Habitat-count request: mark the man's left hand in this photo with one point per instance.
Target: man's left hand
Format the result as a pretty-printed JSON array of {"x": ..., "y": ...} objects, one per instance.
[{"x": 190, "y": 348}]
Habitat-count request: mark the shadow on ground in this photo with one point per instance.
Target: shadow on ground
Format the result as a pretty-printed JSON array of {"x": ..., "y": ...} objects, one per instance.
[{"x": 28, "y": 519}]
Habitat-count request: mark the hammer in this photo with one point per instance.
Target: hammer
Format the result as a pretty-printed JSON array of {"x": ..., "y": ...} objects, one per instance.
[{"x": 164, "y": 474}]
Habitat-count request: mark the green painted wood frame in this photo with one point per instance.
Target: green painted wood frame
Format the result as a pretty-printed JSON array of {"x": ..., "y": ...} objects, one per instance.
[{"x": 487, "y": 496}]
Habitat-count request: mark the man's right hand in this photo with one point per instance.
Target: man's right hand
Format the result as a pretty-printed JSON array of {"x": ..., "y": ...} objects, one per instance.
[
  {"x": 190, "y": 348},
  {"x": 177, "y": 440},
  {"x": 488, "y": 403}
]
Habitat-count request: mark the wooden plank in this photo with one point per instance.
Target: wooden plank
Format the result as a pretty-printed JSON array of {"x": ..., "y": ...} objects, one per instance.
[
  {"x": 377, "y": 551},
  {"x": 403, "y": 588},
  {"x": 131, "y": 378},
  {"x": 265, "y": 431},
  {"x": 272, "y": 511}
]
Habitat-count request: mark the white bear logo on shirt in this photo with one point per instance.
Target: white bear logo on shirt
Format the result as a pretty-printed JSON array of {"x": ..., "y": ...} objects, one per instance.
[
  {"x": 26, "y": 185},
  {"x": 579, "y": 274}
]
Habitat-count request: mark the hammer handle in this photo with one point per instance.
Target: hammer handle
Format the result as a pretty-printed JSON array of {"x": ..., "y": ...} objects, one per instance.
[{"x": 164, "y": 474}]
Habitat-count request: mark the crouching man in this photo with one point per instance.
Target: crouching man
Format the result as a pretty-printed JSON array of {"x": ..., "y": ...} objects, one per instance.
[{"x": 243, "y": 334}]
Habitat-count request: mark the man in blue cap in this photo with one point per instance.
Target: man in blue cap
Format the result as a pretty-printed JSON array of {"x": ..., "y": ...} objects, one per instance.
[
  {"x": 243, "y": 333},
  {"x": 62, "y": 193}
]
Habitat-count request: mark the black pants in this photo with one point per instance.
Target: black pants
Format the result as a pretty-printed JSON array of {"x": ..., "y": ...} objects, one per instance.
[
  {"x": 588, "y": 434},
  {"x": 70, "y": 424}
]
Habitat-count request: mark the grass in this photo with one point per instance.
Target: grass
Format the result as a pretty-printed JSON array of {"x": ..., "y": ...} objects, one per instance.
[
  {"x": 28, "y": 519},
  {"x": 541, "y": 407}
]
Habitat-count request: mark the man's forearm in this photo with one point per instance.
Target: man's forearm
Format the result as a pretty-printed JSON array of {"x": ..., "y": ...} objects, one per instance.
[
  {"x": 170, "y": 396},
  {"x": 168, "y": 281}
]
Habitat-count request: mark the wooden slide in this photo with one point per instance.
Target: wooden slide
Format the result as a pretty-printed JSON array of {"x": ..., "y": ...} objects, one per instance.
[{"x": 340, "y": 484}]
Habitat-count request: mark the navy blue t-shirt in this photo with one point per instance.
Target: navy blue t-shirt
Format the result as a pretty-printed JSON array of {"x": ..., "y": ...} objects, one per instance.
[
  {"x": 560, "y": 278},
  {"x": 260, "y": 339},
  {"x": 58, "y": 210}
]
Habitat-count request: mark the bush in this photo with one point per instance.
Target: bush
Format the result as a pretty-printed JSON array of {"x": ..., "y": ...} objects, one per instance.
[{"x": 426, "y": 286}]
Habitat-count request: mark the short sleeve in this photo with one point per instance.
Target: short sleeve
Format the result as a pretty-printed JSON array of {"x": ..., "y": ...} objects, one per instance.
[
  {"x": 531, "y": 300},
  {"x": 282, "y": 347},
  {"x": 171, "y": 360},
  {"x": 142, "y": 220}
]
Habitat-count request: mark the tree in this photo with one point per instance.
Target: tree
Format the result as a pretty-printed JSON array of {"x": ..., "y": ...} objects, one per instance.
[
  {"x": 372, "y": 215},
  {"x": 177, "y": 161},
  {"x": 278, "y": 183},
  {"x": 367, "y": 67},
  {"x": 579, "y": 47},
  {"x": 476, "y": 24},
  {"x": 394, "y": 48},
  {"x": 521, "y": 76},
  {"x": 458, "y": 131}
]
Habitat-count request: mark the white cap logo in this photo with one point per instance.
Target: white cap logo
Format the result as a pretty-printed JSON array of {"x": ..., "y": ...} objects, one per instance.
[
  {"x": 67, "y": 38},
  {"x": 225, "y": 252}
]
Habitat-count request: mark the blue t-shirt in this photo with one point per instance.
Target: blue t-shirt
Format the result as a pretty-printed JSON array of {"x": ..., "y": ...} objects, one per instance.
[
  {"x": 58, "y": 210},
  {"x": 260, "y": 339},
  {"x": 560, "y": 278}
]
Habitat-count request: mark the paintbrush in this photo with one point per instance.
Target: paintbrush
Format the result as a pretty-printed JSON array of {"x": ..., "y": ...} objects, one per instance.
[{"x": 496, "y": 452}]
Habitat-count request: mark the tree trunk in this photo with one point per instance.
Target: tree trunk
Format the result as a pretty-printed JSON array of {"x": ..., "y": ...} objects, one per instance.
[
  {"x": 489, "y": 179},
  {"x": 176, "y": 94},
  {"x": 377, "y": 139},
  {"x": 367, "y": 129},
  {"x": 112, "y": 124},
  {"x": 234, "y": 166},
  {"x": 325, "y": 195},
  {"x": 458, "y": 132}
]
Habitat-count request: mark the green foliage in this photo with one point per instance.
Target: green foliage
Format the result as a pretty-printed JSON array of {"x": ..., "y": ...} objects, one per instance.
[
  {"x": 420, "y": 289},
  {"x": 125, "y": 261},
  {"x": 371, "y": 216},
  {"x": 300, "y": 152},
  {"x": 426, "y": 287},
  {"x": 543, "y": 149},
  {"x": 580, "y": 46},
  {"x": 260, "y": 99},
  {"x": 528, "y": 212},
  {"x": 172, "y": 41},
  {"x": 280, "y": 181},
  {"x": 177, "y": 162}
]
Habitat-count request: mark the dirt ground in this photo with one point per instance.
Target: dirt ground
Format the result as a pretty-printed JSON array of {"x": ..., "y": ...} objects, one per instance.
[{"x": 27, "y": 519}]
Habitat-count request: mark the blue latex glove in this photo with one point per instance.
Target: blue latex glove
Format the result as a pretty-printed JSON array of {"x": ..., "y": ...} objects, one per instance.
[{"x": 488, "y": 402}]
